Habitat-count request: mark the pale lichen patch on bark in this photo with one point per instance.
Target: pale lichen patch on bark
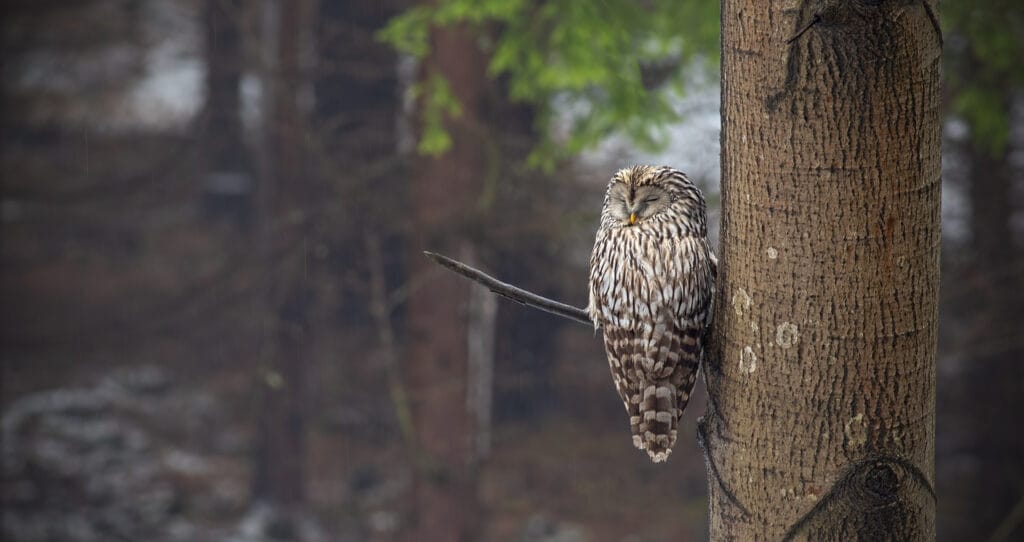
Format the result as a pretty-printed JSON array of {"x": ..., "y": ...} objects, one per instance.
[
  {"x": 856, "y": 431},
  {"x": 741, "y": 302},
  {"x": 895, "y": 437},
  {"x": 748, "y": 360},
  {"x": 787, "y": 335},
  {"x": 772, "y": 253}
]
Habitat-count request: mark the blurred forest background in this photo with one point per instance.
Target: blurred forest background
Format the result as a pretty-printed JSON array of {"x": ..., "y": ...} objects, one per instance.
[{"x": 216, "y": 322}]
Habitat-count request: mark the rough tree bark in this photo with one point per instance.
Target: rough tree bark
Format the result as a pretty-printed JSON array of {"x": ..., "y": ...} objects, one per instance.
[
  {"x": 821, "y": 374},
  {"x": 442, "y": 191}
]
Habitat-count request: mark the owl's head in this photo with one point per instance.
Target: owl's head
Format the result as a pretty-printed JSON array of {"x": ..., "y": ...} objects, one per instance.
[{"x": 642, "y": 194}]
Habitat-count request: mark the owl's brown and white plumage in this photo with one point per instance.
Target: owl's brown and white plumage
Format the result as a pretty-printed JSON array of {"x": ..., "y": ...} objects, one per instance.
[{"x": 652, "y": 278}]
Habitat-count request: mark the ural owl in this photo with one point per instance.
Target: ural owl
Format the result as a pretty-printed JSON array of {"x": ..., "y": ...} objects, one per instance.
[{"x": 652, "y": 279}]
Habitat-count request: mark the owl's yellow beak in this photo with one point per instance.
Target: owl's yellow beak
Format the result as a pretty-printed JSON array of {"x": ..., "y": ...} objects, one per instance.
[{"x": 632, "y": 218}]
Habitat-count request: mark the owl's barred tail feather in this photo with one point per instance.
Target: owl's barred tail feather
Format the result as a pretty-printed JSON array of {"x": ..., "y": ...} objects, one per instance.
[
  {"x": 656, "y": 411},
  {"x": 657, "y": 424}
]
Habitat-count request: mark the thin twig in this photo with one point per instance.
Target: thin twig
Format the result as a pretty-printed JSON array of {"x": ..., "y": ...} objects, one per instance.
[{"x": 514, "y": 293}]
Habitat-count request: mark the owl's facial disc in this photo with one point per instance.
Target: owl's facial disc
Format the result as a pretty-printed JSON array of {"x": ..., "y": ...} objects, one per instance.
[{"x": 633, "y": 205}]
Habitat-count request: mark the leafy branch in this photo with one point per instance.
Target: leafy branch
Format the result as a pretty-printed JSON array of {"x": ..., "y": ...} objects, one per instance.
[{"x": 588, "y": 55}]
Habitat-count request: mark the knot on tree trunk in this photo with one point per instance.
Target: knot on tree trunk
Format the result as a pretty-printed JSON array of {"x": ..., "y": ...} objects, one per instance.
[{"x": 878, "y": 498}]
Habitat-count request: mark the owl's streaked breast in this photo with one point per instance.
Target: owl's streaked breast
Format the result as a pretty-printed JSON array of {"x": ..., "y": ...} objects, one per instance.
[{"x": 640, "y": 275}]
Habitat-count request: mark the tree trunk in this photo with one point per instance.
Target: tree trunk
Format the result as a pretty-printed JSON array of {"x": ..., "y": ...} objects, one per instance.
[
  {"x": 354, "y": 128},
  {"x": 285, "y": 201},
  {"x": 223, "y": 74},
  {"x": 993, "y": 378},
  {"x": 356, "y": 82},
  {"x": 228, "y": 184},
  {"x": 437, "y": 369},
  {"x": 821, "y": 372}
]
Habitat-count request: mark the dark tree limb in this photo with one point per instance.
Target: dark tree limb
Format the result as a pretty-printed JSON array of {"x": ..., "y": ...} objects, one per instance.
[{"x": 514, "y": 293}]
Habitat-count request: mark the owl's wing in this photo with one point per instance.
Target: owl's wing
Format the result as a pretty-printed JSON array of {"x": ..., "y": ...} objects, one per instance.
[
  {"x": 601, "y": 279},
  {"x": 691, "y": 288}
]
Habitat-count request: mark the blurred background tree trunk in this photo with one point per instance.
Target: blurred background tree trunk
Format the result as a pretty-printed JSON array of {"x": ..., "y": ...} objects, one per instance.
[
  {"x": 995, "y": 357},
  {"x": 287, "y": 207},
  {"x": 357, "y": 116},
  {"x": 821, "y": 377},
  {"x": 982, "y": 476},
  {"x": 444, "y": 194},
  {"x": 987, "y": 492},
  {"x": 228, "y": 183}
]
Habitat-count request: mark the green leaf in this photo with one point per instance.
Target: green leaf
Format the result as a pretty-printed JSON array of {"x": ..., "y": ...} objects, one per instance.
[
  {"x": 438, "y": 102},
  {"x": 592, "y": 54},
  {"x": 983, "y": 53},
  {"x": 409, "y": 32}
]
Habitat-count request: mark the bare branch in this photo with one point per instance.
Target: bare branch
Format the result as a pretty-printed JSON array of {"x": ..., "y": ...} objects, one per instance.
[{"x": 514, "y": 293}]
